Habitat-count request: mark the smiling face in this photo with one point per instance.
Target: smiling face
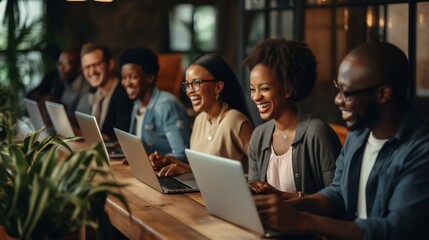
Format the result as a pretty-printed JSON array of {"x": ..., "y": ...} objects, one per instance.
[
  {"x": 203, "y": 99},
  {"x": 267, "y": 92},
  {"x": 361, "y": 110},
  {"x": 135, "y": 81},
  {"x": 96, "y": 69},
  {"x": 68, "y": 66}
]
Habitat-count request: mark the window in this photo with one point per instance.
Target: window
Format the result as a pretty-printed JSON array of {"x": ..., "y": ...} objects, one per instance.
[
  {"x": 267, "y": 19},
  {"x": 262, "y": 19},
  {"x": 193, "y": 29},
  {"x": 333, "y": 27}
]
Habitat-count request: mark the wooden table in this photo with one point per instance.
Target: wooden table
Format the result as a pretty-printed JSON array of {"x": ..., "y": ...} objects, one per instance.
[{"x": 166, "y": 216}]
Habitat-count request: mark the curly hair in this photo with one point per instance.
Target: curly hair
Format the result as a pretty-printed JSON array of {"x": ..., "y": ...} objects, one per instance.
[
  {"x": 143, "y": 57},
  {"x": 293, "y": 64},
  {"x": 232, "y": 92}
]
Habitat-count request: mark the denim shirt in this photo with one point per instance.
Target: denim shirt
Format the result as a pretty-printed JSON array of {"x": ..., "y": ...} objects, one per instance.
[
  {"x": 397, "y": 191},
  {"x": 166, "y": 127}
]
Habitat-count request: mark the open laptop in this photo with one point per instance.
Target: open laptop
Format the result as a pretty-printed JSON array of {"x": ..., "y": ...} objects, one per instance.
[
  {"x": 218, "y": 177},
  {"x": 35, "y": 115},
  {"x": 92, "y": 135},
  {"x": 141, "y": 167},
  {"x": 59, "y": 119}
]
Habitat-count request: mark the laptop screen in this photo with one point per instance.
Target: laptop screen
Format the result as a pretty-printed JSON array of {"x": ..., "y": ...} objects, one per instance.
[
  {"x": 224, "y": 189},
  {"x": 59, "y": 119}
]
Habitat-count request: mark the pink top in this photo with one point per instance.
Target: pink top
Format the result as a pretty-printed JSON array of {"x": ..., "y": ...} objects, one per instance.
[{"x": 280, "y": 171}]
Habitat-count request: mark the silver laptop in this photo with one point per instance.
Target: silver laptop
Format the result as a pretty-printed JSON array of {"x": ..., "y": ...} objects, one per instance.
[
  {"x": 59, "y": 119},
  {"x": 141, "y": 167},
  {"x": 35, "y": 115},
  {"x": 92, "y": 135},
  {"x": 218, "y": 177}
]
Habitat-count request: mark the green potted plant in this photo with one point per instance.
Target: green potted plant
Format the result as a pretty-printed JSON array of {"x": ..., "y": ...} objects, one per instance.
[
  {"x": 7, "y": 116},
  {"x": 44, "y": 197}
]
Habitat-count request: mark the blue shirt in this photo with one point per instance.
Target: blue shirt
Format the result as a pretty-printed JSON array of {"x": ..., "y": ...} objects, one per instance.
[
  {"x": 397, "y": 191},
  {"x": 166, "y": 127}
]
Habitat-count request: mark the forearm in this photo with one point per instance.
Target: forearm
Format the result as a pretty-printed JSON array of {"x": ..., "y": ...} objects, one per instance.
[
  {"x": 179, "y": 156},
  {"x": 314, "y": 203},
  {"x": 328, "y": 227}
]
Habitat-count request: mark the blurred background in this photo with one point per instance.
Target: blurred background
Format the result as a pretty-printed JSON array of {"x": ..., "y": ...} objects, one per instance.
[{"x": 33, "y": 32}]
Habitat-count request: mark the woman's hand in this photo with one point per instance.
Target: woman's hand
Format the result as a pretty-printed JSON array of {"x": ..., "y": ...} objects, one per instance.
[
  {"x": 175, "y": 168},
  {"x": 260, "y": 187},
  {"x": 158, "y": 161}
]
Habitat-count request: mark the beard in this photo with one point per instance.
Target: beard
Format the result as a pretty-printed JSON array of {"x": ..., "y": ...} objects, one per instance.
[{"x": 367, "y": 117}]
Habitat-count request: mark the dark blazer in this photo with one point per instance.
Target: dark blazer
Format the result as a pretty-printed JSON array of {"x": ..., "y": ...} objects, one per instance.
[{"x": 119, "y": 113}]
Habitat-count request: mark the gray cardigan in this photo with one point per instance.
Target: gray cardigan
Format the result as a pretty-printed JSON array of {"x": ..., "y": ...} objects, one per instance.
[{"x": 314, "y": 152}]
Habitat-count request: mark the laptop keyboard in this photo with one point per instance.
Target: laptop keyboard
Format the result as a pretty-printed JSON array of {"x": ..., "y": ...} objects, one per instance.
[{"x": 172, "y": 183}]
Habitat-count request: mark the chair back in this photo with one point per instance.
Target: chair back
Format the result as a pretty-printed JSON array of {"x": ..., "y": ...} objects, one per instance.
[{"x": 170, "y": 72}]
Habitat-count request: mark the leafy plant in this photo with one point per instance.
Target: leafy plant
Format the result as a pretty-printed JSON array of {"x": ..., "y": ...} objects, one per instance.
[
  {"x": 19, "y": 42},
  {"x": 42, "y": 197},
  {"x": 8, "y": 116}
]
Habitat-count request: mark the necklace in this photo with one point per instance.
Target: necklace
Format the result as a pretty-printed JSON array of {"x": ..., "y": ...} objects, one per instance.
[
  {"x": 212, "y": 132},
  {"x": 283, "y": 135}
]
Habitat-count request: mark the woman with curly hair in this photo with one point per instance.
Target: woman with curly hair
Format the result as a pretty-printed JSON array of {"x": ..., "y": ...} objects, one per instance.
[{"x": 292, "y": 153}]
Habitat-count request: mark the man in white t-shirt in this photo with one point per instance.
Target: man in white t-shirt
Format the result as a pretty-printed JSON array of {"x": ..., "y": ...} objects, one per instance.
[{"x": 380, "y": 188}]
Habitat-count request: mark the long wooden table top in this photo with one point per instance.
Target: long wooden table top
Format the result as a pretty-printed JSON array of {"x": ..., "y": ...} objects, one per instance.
[{"x": 166, "y": 216}]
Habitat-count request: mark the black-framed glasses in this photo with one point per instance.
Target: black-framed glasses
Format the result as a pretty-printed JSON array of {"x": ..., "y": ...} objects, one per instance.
[
  {"x": 195, "y": 84},
  {"x": 347, "y": 95}
]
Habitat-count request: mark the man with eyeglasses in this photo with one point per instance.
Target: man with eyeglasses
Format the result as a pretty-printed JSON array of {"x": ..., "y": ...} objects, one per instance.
[
  {"x": 109, "y": 102},
  {"x": 65, "y": 85},
  {"x": 380, "y": 188}
]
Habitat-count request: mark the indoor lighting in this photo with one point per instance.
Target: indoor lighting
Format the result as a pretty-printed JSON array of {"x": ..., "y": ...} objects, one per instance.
[{"x": 93, "y": 0}]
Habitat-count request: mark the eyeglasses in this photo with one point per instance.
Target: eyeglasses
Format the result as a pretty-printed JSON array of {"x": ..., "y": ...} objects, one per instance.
[
  {"x": 195, "y": 84},
  {"x": 347, "y": 95},
  {"x": 94, "y": 65}
]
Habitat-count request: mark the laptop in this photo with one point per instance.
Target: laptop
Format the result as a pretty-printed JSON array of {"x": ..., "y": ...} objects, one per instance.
[
  {"x": 92, "y": 135},
  {"x": 141, "y": 167},
  {"x": 218, "y": 177},
  {"x": 35, "y": 115},
  {"x": 59, "y": 119}
]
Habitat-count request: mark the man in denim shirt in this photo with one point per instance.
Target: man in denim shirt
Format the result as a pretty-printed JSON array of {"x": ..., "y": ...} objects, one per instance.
[
  {"x": 158, "y": 117},
  {"x": 380, "y": 188}
]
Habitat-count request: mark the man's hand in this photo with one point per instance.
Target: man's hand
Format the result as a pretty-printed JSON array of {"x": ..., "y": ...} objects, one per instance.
[{"x": 275, "y": 213}]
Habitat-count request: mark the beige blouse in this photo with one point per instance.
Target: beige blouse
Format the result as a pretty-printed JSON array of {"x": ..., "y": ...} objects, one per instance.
[{"x": 229, "y": 139}]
